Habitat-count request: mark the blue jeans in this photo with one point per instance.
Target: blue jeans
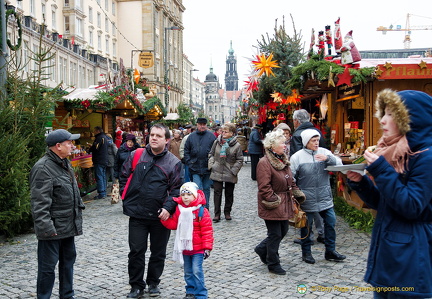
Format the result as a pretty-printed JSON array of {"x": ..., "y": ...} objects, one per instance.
[
  {"x": 329, "y": 218},
  {"x": 204, "y": 182},
  {"x": 49, "y": 253},
  {"x": 139, "y": 231},
  {"x": 101, "y": 183},
  {"x": 187, "y": 176},
  {"x": 194, "y": 275}
]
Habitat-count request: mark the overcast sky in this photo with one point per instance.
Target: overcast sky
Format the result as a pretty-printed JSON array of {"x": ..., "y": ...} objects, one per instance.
[{"x": 211, "y": 25}]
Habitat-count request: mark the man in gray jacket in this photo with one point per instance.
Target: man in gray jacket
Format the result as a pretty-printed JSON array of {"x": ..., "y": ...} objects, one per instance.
[{"x": 56, "y": 207}]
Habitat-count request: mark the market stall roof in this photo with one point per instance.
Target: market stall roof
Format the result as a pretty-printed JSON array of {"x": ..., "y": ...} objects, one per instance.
[
  {"x": 84, "y": 93},
  {"x": 171, "y": 116}
]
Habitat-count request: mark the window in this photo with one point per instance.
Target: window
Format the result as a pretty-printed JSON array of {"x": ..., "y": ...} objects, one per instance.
[
  {"x": 106, "y": 5},
  {"x": 114, "y": 46},
  {"x": 99, "y": 42},
  {"x": 78, "y": 4},
  {"x": 53, "y": 19},
  {"x": 114, "y": 29},
  {"x": 106, "y": 24},
  {"x": 66, "y": 3},
  {"x": 91, "y": 38},
  {"x": 79, "y": 27},
  {"x": 43, "y": 9},
  {"x": 32, "y": 7},
  {"x": 66, "y": 24},
  {"x": 113, "y": 8},
  {"x": 90, "y": 15},
  {"x": 99, "y": 20},
  {"x": 73, "y": 74},
  {"x": 106, "y": 45}
]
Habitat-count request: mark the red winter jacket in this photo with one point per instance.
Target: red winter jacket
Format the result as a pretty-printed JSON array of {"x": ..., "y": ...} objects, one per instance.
[{"x": 203, "y": 228}]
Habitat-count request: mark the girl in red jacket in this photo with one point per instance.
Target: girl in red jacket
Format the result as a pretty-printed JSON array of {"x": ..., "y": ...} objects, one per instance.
[{"x": 194, "y": 237}]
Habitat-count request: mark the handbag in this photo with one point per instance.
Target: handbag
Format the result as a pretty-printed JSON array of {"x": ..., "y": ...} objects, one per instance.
[
  {"x": 115, "y": 193},
  {"x": 299, "y": 219}
]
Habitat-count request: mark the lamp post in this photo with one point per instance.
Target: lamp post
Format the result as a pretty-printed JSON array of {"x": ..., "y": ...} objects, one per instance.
[
  {"x": 190, "y": 87},
  {"x": 166, "y": 79}
]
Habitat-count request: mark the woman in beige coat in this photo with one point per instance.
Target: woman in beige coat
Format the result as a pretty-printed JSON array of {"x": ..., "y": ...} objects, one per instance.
[
  {"x": 225, "y": 162},
  {"x": 276, "y": 187}
]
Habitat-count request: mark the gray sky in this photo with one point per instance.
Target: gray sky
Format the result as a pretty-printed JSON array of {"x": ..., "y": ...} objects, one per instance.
[{"x": 211, "y": 25}]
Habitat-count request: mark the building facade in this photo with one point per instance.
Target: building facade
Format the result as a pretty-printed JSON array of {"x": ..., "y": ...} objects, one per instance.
[{"x": 92, "y": 40}]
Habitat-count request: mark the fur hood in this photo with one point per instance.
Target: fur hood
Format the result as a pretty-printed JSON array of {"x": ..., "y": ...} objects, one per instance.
[
  {"x": 391, "y": 99},
  {"x": 275, "y": 162},
  {"x": 413, "y": 114}
]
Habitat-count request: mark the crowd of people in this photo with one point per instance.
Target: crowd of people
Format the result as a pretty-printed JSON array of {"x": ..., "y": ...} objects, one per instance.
[{"x": 166, "y": 186}]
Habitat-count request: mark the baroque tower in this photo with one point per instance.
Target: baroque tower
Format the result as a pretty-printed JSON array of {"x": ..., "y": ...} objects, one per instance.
[{"x": 231, "y": 77}]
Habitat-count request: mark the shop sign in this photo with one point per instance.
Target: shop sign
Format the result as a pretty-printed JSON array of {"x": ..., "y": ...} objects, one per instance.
[
  {"x": 404, "y": 71},
  {"x": 346, "y": 92},
  {"x": 145, "y": 60}
]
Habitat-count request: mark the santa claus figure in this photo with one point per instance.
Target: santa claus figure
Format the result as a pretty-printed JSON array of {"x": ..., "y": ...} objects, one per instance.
[
  {"x": 118, "y": 139},
  {"x": 329, "y": 41},
  {"x": 337, "y": 37},
  {"x": 350, "y": 53}
]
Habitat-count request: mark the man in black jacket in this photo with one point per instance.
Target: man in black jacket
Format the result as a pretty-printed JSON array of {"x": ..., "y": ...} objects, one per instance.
[
  {"x": 56, "y": 207},
  {"x": 155, "y": 180},
  {"x": 196, "y": 150},
  {"x": 99, "y": 150}
]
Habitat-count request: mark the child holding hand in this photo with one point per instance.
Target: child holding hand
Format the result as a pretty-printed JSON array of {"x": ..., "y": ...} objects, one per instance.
[{"x": 194, "y": 237}]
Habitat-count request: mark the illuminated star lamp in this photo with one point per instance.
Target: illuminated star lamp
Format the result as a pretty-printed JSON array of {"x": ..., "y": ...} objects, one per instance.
[
  {"x": 277, "y": 97},
  {"x": 252, "y": 84},
  {"x": 136, "y": 76},
  {"x": 265, "y": 64},
  {"x": 294, "y": 98}
]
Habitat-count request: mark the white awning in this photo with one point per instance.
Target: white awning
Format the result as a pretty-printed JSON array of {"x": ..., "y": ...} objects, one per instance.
[{"x": 172, "y": 116}]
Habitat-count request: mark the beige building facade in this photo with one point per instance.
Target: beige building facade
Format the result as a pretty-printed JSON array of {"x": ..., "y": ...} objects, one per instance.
[{"x": 93, "y": 39}]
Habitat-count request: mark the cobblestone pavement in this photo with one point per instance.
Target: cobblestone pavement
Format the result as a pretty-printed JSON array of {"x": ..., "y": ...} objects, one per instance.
[{"x": 232, "y": 271}]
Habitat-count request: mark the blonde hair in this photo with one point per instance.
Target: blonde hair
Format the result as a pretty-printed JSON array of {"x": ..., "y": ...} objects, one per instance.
[
  {"x": 272, "y": 138},
  {"x": 230, "y": 127}
]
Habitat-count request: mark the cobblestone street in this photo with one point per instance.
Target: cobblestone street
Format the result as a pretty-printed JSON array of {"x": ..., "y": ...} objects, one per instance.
[{"x": 232, "y": 271}]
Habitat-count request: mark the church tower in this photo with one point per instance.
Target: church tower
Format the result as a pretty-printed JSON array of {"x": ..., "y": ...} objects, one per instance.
[{"x": 231, "y": 77}]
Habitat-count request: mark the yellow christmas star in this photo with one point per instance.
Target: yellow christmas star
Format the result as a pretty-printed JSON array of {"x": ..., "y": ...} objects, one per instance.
[
  {"x": 388, "y": 65},
  {"x": 422, "y": 65},
  {"x": 263, "y": 64},
  {"x": 276, "y": 97}
]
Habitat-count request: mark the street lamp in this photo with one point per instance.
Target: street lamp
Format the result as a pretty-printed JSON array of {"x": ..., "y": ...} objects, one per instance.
[
  {"x": 190, "y": 89},
  {"x": 166, "y": 79}
]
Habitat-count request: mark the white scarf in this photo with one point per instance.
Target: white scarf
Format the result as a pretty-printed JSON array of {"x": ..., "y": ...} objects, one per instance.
[{"x": 183, "y": 238}]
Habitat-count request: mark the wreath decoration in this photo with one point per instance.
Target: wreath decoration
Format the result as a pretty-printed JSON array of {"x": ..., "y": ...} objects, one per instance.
[{"x": 9, "y": 43}]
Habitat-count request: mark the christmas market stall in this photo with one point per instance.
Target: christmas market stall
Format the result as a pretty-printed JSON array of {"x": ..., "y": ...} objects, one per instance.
[{"x": 111, "y": 108}]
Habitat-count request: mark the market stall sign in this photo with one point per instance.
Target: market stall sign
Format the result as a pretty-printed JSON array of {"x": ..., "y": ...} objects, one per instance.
[
  {"x": 145, "y": 60},
  {"x": 346, "y": 92},
  {"x": 404, "y": 71}
]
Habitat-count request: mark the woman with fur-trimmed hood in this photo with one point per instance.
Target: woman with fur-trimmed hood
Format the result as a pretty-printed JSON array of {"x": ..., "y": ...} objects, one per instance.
[
  {"x": 400, "y": 255},
  {"x": 276, "y": 187}
]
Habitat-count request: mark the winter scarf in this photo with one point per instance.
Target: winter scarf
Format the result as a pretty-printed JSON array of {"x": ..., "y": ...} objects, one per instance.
[
  {"x": 395, "y": 150},
  {"x": 225, "y": 145},
  {"x": 183, "y": 238},
  {"x": 276, "y": 162}
]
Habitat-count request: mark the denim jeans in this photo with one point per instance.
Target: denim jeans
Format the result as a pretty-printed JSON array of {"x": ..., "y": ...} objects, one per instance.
[
  {"x": 101, "y": 183},
  {"x": 49, "y": 253},
  {"x": 269, "y": 247},
  {"x": 204, "y": 182},
  {"x": 139, "y": 231},
  {"x": 329, "y": 218},
  {"x": 194, "y": 275},
  {"x": 187, "y": 176}
]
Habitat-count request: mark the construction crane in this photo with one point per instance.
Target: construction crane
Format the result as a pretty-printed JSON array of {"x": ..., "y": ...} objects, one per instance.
[{"x": 408, "y": 29}]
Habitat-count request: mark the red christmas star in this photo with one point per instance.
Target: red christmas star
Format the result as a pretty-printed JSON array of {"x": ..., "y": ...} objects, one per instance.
[{"x": 345, "y": 78}]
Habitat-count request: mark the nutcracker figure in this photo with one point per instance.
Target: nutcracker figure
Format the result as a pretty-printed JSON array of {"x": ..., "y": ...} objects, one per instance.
[
  {"x": 329, "y": 41},
  {"x": 321, "y": 43}
]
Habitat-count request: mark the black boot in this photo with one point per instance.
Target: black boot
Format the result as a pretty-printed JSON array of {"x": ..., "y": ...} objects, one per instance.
[
  {"x": 277, "y": 270},
  {"x": 334, "y": 256},
  {"x": 262, "y": 256},
  {"x": 308, "y": 258}
]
